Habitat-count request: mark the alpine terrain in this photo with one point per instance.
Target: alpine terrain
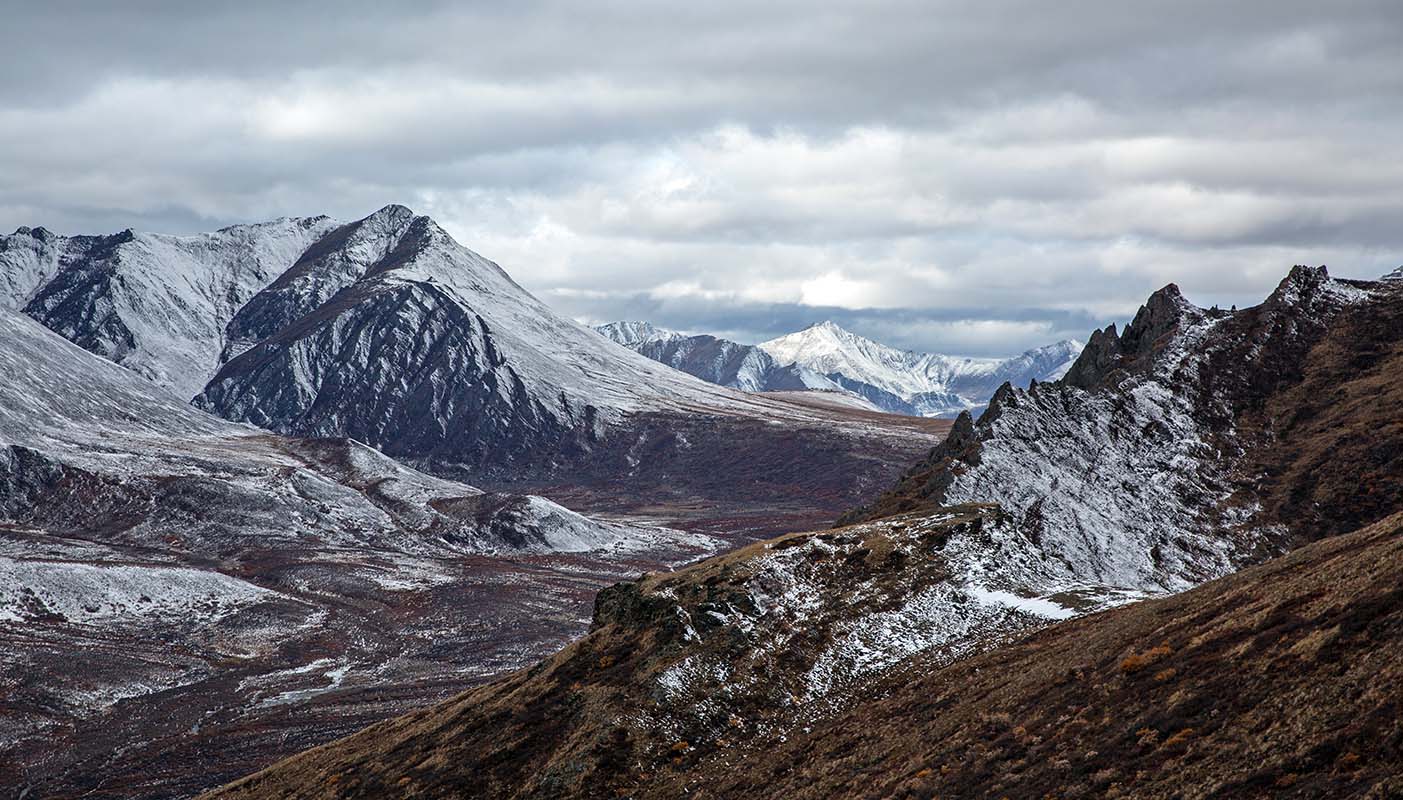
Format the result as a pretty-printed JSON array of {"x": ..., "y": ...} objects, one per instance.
[
  {"x": 387, "y": 331},
  {"x": 826, "y": 357},
  {"x": 184, "y": 598},
  {"x": 188, "y": 598},
  {"x": 905, "y": 382},
  {"x": 1233, "y": 471},
  {"x": 721, "y": 361}
]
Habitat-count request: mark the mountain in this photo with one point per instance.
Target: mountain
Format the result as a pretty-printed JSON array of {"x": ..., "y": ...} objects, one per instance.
[
  {"x": 888, "y": 657},
  {"x": 719, "y": 361},
  {"x": 827, "y": 357},
  {"x": 387, "y": 331},
  {"x": 164, "y": 571},
  {"x": 907, "y": 382}
]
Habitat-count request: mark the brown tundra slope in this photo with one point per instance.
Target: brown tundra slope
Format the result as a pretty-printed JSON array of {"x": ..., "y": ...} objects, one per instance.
[
  {"x": 883, "y": 658},
  {"x": 1284, "y": 680}
]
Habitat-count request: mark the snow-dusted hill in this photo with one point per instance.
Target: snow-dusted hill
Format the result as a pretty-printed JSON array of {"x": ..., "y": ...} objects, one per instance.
[
  {"x": 1158, "y": 461},
  {"x": 81, "y": 437},
  {"x": 153, "y": 303},
  {"x": 929, "y": 384},
  {"x": 720, "y": 361}
]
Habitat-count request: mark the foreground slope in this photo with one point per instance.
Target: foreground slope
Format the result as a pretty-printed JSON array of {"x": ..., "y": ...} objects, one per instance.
[{"x": 1282, "y": 680}]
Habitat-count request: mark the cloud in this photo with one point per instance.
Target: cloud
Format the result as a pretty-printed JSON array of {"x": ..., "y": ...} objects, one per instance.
[{"x": 960, "y": 176}]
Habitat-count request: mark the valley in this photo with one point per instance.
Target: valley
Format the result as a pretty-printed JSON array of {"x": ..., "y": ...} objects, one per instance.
[{"x": 178, "y": 586}]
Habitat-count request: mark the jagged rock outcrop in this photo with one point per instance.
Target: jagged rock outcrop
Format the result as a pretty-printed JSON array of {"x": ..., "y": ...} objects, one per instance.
[{"x": 1156, "y": 461}]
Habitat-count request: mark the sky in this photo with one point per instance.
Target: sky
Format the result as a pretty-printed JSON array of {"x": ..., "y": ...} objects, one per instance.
[{"x": 972, "y": 178}]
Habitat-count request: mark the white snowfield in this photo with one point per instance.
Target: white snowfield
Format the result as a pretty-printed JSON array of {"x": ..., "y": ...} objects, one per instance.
[{"x": 83, "y": 593}]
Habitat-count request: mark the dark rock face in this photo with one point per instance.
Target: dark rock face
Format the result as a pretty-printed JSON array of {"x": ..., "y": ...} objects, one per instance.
[
  {"x": 1106, "y": 352},
  {"x": 332, "y": 263},
  {"x": 404, "y": 368}
]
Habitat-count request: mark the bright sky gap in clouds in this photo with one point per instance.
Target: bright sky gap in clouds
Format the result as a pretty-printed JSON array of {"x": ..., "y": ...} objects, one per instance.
[{"x": 971, "y": 178}]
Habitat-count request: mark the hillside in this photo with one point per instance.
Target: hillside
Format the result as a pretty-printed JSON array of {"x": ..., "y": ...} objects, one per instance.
[
  {"x": 1206, "y": 437},
  {"x": 1281, "y": 681}
]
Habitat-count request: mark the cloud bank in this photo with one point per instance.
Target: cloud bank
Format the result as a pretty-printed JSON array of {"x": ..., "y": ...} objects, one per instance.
[{"x": 974, "y": 178}]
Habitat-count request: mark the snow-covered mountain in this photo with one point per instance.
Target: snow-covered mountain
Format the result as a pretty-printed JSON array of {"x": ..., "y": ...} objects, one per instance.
[
  {"x": 388, "y": 331},
  {"x": 720, "y": 361},
  {"x": 154, "y": 303},
  {"x": 75, "y": 426},
  {"x": 908, "y": 382}
]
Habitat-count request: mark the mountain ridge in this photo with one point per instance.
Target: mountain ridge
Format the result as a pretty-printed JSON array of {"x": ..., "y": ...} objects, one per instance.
[{"x": 388, "y": 331}]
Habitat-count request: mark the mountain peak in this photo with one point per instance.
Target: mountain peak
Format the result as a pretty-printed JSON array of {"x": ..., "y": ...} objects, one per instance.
[
  {"x": 395, "y": 210},
  {"x": 630, "y": 333}
]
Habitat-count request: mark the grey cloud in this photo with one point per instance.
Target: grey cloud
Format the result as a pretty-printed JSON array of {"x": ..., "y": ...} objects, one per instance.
[{"x": 926, "y": 159}]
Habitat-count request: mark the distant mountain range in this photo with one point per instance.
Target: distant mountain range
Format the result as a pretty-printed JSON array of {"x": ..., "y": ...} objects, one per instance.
[{"x": 826, "y": 356}]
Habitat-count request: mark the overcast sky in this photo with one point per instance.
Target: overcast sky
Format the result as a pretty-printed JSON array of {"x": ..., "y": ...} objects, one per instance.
[{"x": 973, "y": 178}]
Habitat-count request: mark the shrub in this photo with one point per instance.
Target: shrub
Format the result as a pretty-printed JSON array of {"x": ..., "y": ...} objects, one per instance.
[
  {"x": 1179, "y": 738},
  {"x": 1136, "y": 662}
]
